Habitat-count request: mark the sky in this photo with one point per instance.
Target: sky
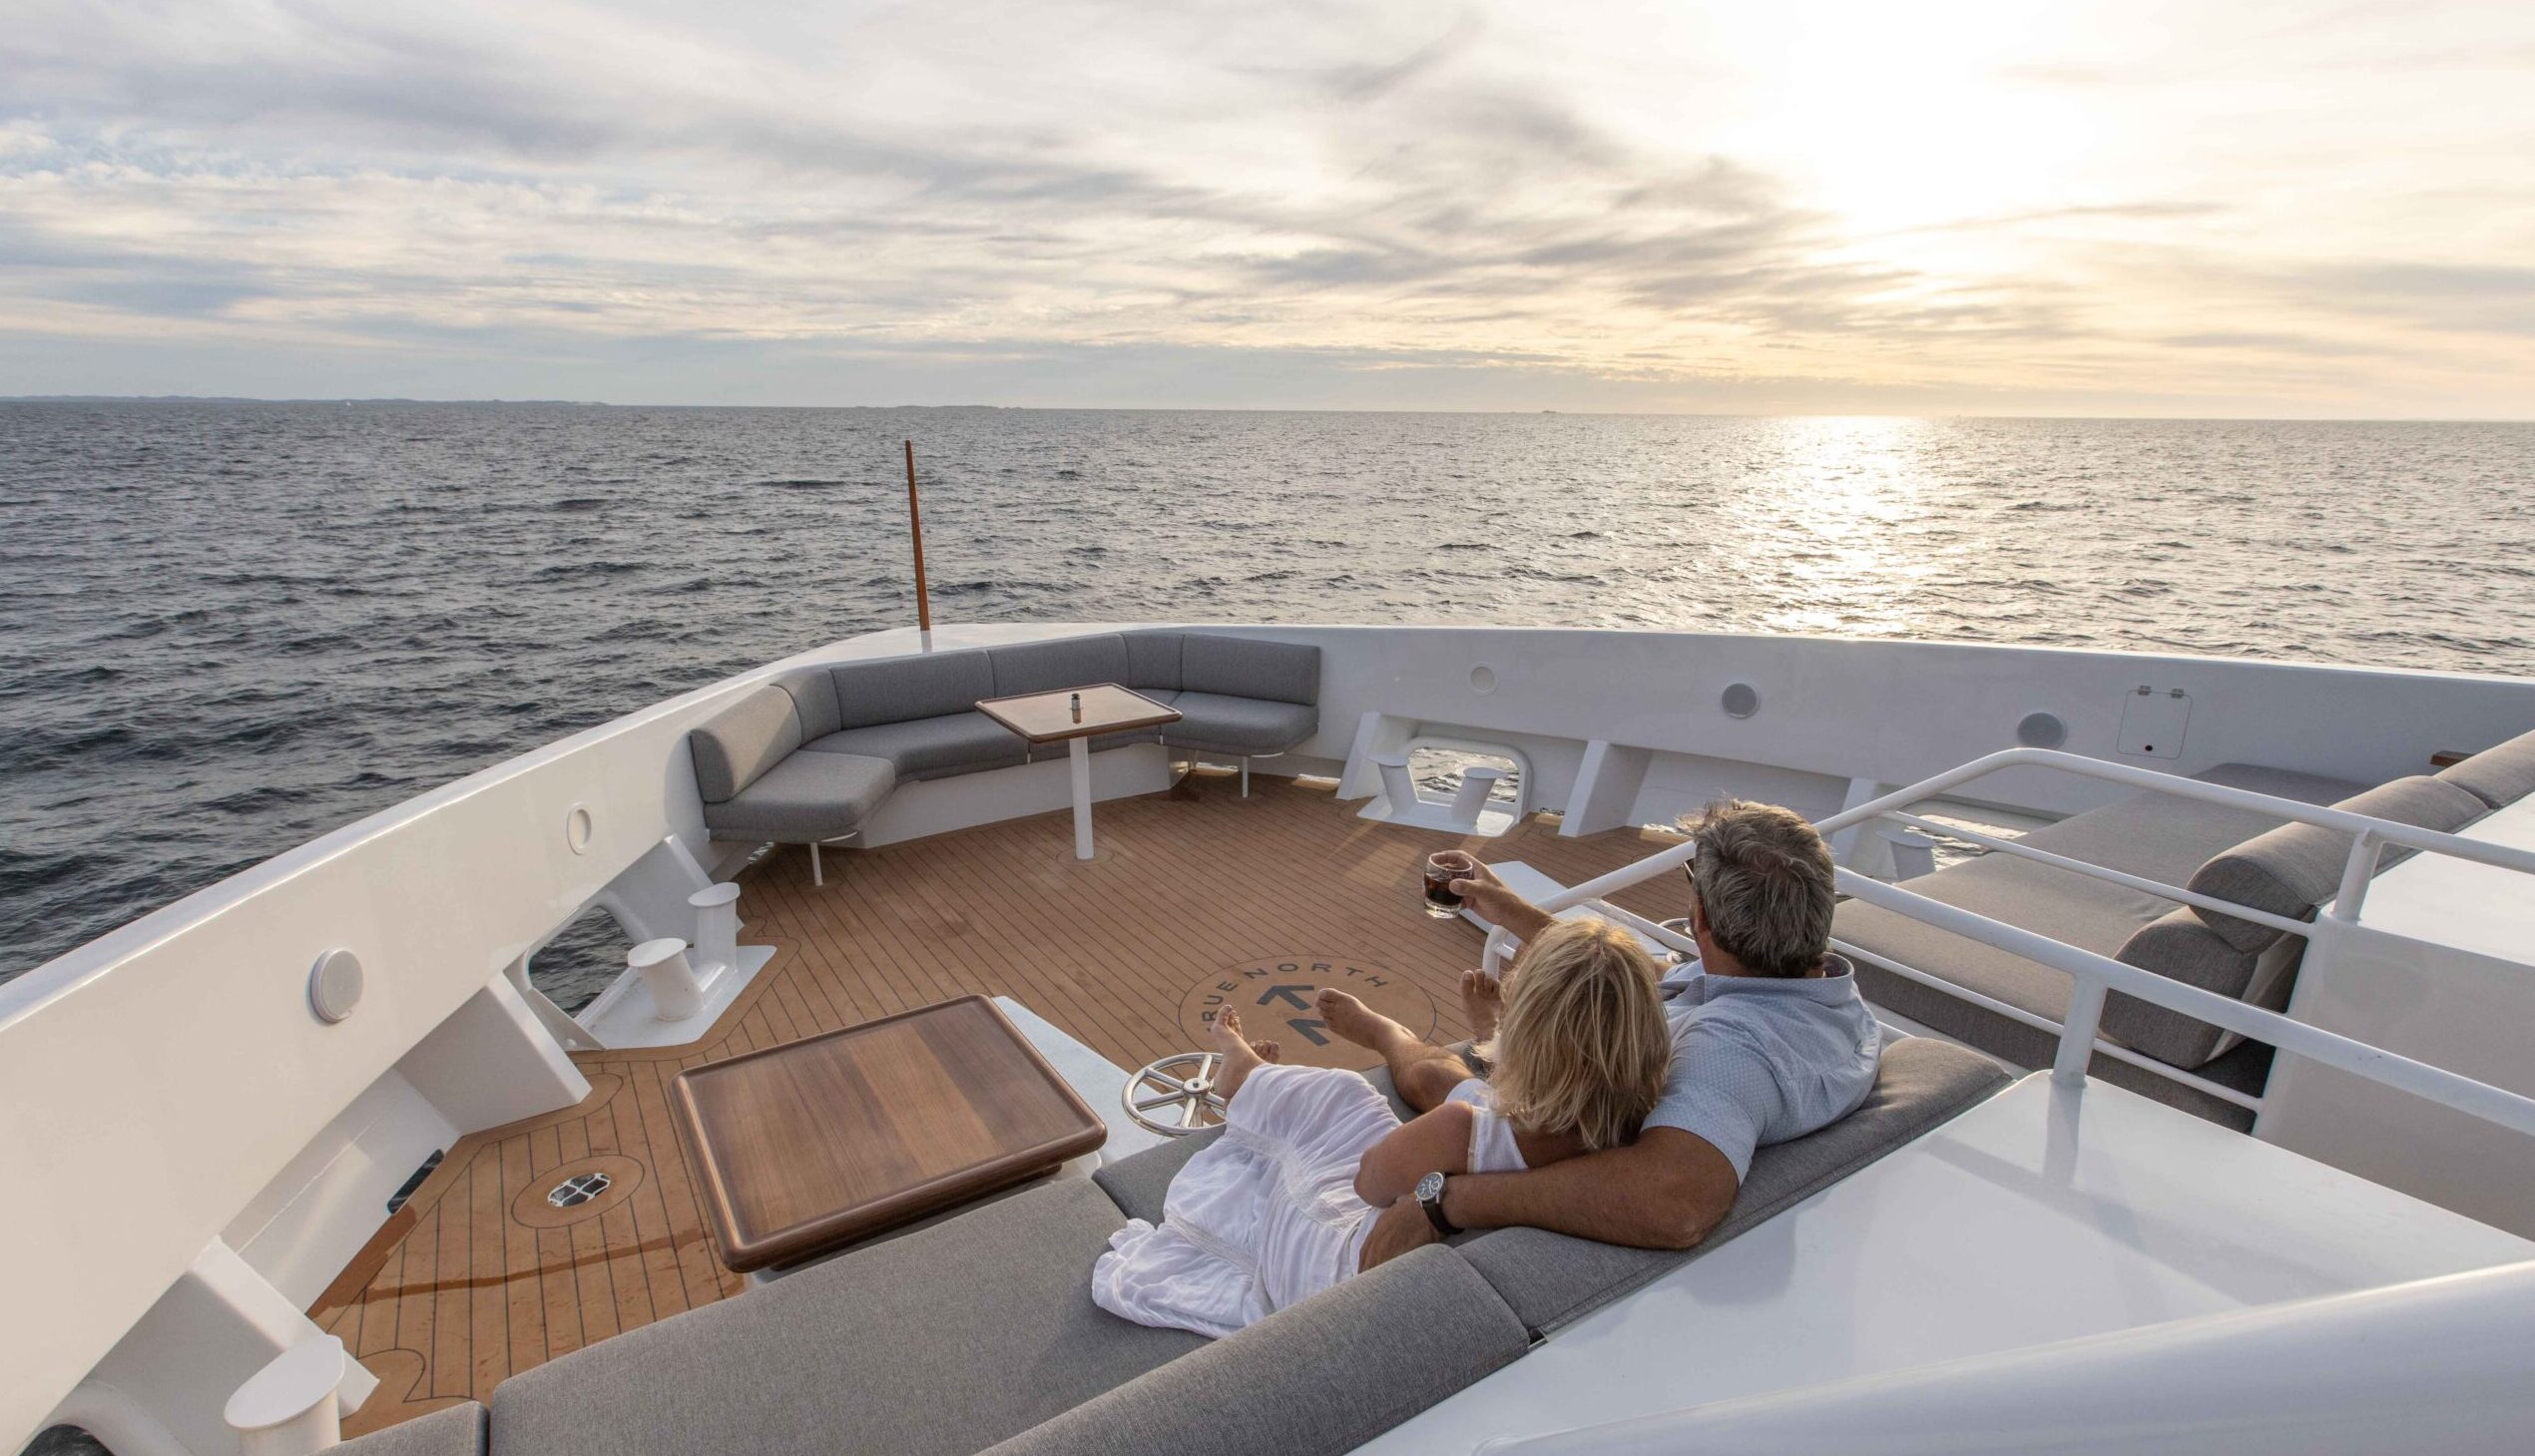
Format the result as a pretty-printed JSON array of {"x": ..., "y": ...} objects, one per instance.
[{"x": 2129, "y": 208}]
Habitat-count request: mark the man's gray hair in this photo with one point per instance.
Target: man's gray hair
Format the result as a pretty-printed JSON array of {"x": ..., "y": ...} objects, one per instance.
[{"x": 1763, "y": 879}]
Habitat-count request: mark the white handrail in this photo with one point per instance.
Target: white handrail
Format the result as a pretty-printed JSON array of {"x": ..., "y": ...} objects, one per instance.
[{"x": 2094, "y": 976}]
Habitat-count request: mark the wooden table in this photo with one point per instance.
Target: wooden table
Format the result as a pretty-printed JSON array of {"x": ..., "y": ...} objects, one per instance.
[
  {"x": 1047, "y": 718},
  {"x": 818, "y": 1143}
]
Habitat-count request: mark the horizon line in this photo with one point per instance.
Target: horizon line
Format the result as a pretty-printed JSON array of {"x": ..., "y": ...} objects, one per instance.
[{"x": 549, "y": 403}]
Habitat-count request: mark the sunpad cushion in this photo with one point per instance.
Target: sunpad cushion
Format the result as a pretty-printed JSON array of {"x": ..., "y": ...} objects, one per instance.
[
  {"x": 2292, "y": 869},
  {"x": 1226, "y": 724},
  {"x": 806, "y": 797},
  {"x": 957, "y": 740},
  {"x": 459, "y": 1430},
  {"x": 2498, "y": 777},
  {"x": 1316, "y": 1379},
  {"x": 939, "y": 1343},
  {"x": 1552, "y": 1280},
  {"x": 893, "y": 690}
]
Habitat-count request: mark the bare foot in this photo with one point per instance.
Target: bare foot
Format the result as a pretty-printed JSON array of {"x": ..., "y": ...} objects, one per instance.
[
  {"x": 1482, "y": 1003},
  {"x": 1240, "y": 1055},
  {"x": 1357, "y": 1022}
]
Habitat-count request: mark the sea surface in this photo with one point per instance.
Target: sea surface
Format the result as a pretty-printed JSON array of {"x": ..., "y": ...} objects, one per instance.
[{"x": 227, "y": 628}]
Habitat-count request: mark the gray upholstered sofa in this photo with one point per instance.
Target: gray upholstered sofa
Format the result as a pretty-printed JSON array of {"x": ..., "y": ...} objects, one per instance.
[
  {"x": 2244, "y": 857},
  {"x": 979, "y": 1334},
  {"x": 809, "y": 757}
]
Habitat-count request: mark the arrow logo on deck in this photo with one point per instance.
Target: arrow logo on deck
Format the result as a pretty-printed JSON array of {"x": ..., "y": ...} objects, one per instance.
[
  {"x": 1293, "y": 997},
  {"x": 1310, "y": 1029}
]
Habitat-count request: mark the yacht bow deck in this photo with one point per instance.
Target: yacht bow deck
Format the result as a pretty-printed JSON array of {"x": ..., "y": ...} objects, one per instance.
[{"x": 478, "y": 1278}]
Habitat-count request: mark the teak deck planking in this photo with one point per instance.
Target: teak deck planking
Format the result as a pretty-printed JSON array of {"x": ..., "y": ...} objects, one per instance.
[{"x": 478, "y": 1278}]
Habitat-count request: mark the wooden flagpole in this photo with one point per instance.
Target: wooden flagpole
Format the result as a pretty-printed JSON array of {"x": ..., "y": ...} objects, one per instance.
[{"x": 915, "y": 527}]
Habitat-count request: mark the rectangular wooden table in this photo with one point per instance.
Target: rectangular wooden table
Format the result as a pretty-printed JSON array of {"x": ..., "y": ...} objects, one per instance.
[
  {"x": 1047, "y": 718},
  {"x": 803, "y": 1148}
]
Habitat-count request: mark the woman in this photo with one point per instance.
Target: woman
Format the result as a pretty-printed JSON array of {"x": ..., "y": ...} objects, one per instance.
[{"x": 1276, "y": 1209}]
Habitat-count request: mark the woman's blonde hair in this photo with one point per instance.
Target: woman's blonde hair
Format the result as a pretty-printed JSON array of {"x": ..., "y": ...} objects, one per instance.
[{"x": 1582, "y": 1046}]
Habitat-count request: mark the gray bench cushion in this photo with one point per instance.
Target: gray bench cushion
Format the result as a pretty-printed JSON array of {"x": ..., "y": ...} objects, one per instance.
[
  {"x": 1044, "y": 667},
  {"x": 2292, "y": 869},
  {"x": 1214, "y": 721},
  {"x": 939, "y": 1343},
  {"x": 1323, "y": 1376},
  {"x": 459, "y": 1430},
  {"x": 804, "y": 799},
  {"x": 2498, "y": 777},
  {"x": 1248, "y": 666},
  {"x": 927, "y": 748},
  {"x": 895, "y": 689},
  {"x": 742, "y": 741},
  {"x": 1552, "y": 1280},
  {"x": 1152, "y": 662}
]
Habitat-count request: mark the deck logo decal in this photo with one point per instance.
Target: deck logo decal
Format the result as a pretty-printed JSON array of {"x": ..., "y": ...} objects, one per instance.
[{"x": 1275, "y": 999}]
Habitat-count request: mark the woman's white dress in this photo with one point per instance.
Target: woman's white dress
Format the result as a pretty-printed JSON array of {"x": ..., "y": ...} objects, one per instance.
[{"x": 1268, "y": 1215}]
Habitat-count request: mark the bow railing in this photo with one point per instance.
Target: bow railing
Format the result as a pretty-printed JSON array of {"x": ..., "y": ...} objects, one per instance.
[{"x": 2095, "y": 976}]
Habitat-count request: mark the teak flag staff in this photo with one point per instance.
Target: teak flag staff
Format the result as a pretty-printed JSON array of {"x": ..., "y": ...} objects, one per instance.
[{"x": 915, "y": 528}]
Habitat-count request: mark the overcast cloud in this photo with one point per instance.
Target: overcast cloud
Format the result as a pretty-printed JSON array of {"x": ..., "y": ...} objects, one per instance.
[{"x": 2128, "y": 209}]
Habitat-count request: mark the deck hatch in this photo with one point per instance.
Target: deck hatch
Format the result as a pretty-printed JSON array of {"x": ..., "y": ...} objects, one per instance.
[{"x": 580, "y": 1188}]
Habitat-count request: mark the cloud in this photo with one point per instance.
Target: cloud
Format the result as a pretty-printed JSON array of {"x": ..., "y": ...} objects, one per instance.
[{"x": 1465, "y": 185}]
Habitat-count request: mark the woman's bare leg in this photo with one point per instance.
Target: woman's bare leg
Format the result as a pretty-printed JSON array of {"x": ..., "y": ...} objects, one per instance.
[
  {"x": 1423, "y": 1072},
  {"x": 1241, "y": 1057}
]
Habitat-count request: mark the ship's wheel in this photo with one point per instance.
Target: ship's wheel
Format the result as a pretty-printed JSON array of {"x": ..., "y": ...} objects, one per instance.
[{"x": 1175, "y": 1095}]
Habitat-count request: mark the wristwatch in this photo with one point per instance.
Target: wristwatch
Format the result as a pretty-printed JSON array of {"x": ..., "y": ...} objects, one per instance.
[{"x": 1430, "y": 1198}]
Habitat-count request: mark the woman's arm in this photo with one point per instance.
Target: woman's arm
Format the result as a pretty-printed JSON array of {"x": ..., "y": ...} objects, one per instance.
[{"x": 1438, "y": 1142}]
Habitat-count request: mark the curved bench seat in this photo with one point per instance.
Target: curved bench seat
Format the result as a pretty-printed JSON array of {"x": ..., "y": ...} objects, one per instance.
[
  {"x": 810, "y": 758},
  {"x": 928, "y": 747}
]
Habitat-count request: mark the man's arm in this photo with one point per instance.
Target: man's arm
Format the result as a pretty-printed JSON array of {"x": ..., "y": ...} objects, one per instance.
[
  {"x": 1500, "y": 906},
  {"x": 1665, "y": 1190}
]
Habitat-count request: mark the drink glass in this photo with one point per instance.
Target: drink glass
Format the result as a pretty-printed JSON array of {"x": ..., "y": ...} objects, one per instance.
[{"x": 1441, "y": 870}]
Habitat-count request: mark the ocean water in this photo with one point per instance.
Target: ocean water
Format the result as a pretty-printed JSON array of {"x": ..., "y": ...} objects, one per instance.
[{"x": 227, "y": 628}]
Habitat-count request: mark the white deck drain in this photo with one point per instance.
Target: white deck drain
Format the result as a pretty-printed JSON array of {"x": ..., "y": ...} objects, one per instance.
[{"x": 574, "y": 1192}]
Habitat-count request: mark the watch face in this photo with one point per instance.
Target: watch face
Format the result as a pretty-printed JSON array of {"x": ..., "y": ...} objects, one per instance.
[{"x": 1429, "y": 1188}]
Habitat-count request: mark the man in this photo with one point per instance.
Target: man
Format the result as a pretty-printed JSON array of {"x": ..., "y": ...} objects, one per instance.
[{"x": 1770, "y": 1041}]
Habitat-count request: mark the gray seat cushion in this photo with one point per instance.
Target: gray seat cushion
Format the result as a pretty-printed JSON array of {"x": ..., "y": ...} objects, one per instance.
[
  {"x": 939, "y": 1343},
  {"x": 928, "y": 747},
  {"x": 1316, "y": 1379},
  {"x": 2162, "y": 837},
  {"x": 895, "y": 689},
  {"x": 2293, "y": 869},
  {"x": 1249, "y": 666},
  {"x": 1213, "y": 722},
  {"x": 804, "y": 799},
  {"x": 1044, "y": 667},
  {"x": 737, "y": 745},
  {"x": 459, "y": 1430},
  {"x": 2498, "y": 777},
  {"x": 1152, "y": 662},
  {"x": 1552, "y": 1280}
]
